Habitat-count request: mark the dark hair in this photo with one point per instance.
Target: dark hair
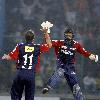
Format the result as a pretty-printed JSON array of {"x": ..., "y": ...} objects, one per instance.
[
  {"x": 29, "y": 36},
  {"x": 68, "y": 31}
]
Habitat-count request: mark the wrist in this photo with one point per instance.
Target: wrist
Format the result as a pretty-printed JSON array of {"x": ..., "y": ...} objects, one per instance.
[
  {"x": 46, "y": 35},
  {"x": 92, "y": 57}
]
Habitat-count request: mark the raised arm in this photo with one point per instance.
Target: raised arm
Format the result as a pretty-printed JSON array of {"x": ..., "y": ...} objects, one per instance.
[
  {"x": 46, "y": 29},
  {"x": 47, "y": 37}
]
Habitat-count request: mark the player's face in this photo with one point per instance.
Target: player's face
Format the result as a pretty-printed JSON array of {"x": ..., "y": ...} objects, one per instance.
[{"x": 69, "y": 35}]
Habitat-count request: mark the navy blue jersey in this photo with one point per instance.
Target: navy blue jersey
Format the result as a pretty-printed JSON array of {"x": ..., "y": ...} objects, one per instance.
[
  {"x": 28, "y": 55},
  {"x": 66, "y": 53}
]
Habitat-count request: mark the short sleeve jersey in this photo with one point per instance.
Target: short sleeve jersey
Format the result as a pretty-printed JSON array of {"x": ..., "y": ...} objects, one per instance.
[{"x": 27, "y": 54}]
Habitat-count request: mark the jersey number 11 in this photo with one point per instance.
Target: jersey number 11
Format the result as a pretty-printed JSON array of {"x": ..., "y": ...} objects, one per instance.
[{"x": 30, "y": 60}]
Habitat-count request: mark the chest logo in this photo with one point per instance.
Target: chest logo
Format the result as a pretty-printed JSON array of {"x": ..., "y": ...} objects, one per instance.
[
  {"x": 67, "y": 51},
  {"x": 29, "y": 49}
]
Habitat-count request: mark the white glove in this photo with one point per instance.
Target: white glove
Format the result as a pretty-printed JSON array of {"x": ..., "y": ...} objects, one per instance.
[
  {"x": 94, "y": 57},
  {"x": 47, "y": 25}
]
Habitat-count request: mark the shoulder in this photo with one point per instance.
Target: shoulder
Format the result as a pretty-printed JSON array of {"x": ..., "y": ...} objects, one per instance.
[
  {"x": 57, "y": 40},
  {"x": 41, "y": 45},
  {"x": 76, "y": 44},
  {"x": 37, "y": 44},
  {"x": 20, "y": 44}
]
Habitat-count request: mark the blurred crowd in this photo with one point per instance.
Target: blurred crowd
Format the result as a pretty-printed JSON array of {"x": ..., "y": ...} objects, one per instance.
[{"x": 81, "y": 15}]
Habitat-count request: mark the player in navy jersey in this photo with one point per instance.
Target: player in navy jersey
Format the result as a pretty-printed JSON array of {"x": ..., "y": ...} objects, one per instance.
[
  {"x": 27, "y": 55},
  {"x": 65, "y": 51}
]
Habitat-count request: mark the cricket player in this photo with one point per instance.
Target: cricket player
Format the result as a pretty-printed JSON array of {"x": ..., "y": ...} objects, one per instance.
[
  {"x": 27, "y": 54},
  {"x": 65, "y": 51}
]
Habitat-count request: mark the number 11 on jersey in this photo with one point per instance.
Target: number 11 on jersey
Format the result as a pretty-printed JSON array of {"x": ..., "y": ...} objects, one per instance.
[{"x": 30, "y": 60}]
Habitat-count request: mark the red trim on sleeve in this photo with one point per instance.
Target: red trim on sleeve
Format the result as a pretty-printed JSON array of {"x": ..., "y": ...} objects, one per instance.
[
  {"x": 14, "y": 54},
  {"x": 81, "y": 50}
]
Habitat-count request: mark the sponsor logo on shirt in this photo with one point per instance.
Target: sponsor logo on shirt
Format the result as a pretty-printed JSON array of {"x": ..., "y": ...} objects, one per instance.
[{"x": 29, "y": 49}]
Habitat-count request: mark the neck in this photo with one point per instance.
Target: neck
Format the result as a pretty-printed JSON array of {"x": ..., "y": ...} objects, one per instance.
[
  {"x": 29, "y": 41},
  {"x": 68, "y": 42}
]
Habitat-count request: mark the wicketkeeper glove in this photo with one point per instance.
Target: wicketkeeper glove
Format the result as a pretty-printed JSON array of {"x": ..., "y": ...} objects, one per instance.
[
  {"x": 94, "y": 57},
  {"x": 47, "y": 25}
]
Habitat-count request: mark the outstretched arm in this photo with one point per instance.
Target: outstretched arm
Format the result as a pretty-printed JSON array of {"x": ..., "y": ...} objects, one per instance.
[
  {"x": 85, "y": 53},
  {"x": 13, "y": 55},
  {"x": 7, "y": 57}
]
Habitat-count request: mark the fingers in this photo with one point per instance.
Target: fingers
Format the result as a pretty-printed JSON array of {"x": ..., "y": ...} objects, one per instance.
[
  {"x": 96, "y": 58},
  {"x": 45, "y": 30},
  {"x": 4, "y": 56},
  {"x": 46, "y": 25}
]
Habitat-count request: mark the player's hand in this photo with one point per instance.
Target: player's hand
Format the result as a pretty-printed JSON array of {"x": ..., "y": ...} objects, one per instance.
[
  {"x": 5, "y": 56},
  {"x": 44, "y": 30},
  {"x": 47, "y": 25},
  {"x": 94, "y": 57}
]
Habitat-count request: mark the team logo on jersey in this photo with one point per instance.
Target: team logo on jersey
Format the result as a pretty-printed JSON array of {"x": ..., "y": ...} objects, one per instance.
[
  {"x": 66, "y": 51},
  {"x": 29, "y": 49}
]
